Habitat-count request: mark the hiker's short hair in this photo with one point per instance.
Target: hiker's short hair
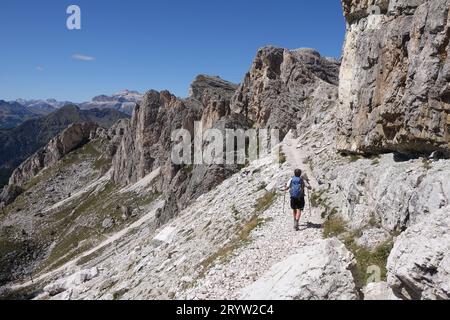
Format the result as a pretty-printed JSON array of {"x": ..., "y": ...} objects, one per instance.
[{"x": 298, "y": 173}]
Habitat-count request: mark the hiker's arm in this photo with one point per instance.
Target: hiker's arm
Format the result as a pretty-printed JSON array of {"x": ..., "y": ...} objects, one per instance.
[
  {"x": 307, "y": 182},
  {"x": 288, "y": 185}
]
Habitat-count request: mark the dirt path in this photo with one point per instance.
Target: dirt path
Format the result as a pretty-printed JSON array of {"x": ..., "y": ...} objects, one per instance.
[{"x": 297, "y": 157}]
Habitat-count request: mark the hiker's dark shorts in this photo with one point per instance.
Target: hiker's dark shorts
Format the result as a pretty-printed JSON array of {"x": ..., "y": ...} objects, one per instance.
[{"x": 298, "y": 203}]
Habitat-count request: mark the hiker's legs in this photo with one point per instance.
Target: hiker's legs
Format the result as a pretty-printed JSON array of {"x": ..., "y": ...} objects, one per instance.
[
  {"x": 296, "y": 212},
  {"x": 298, "y": 215}
]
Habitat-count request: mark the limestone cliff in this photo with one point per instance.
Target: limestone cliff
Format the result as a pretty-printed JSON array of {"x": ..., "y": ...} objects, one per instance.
[{"x": 394, "y": 90}]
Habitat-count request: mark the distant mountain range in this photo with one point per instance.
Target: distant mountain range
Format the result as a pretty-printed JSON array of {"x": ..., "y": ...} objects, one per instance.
[
  {"x": 123, "y": 101},
  {"x": 14, "y": 113},
  {"x": 18, "y": 143}
]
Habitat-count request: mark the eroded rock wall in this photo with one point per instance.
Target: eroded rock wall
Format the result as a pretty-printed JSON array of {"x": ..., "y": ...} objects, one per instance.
[
  {"x": 282, "y": 85},
  {"x": 394, "y": 89}
]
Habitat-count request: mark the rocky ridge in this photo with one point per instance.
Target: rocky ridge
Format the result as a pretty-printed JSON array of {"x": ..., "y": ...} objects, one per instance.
[{"x": 282, "y": 85}]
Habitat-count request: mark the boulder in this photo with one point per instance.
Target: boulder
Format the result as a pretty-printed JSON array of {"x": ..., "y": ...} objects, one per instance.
[
  {"x": 419, "y": 264},
  {"x": 321, "y": 270},
  {"x": 378, "y": 291},
  {"x": 372, "y": 238},
  {"x": 108, "y": 223}
]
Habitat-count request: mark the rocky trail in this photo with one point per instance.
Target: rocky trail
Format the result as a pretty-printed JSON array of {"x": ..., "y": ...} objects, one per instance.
[{"x": 271, "y": 243}]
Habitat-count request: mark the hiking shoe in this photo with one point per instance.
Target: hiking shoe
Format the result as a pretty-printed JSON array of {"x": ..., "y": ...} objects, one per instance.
[{"x": 296, "y": 225}]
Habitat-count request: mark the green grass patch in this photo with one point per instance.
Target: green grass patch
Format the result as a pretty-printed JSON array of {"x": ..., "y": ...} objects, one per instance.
[
  {"x": 73, "y": 239},
  {"x": 84, "y": 260},
  {"x": 317, "y": 198},
  {"x": 375, "y": 162},
  {"x": 188, "y": 169},
  {"x": 102, "y": 163},
  {"x": 265, "y": 201},
  {"x": 334, "y": 227},
  {"x": 282, "y": 157},
  {"x": 366, "y": 258},
  {"x": 354, "y": 158}
]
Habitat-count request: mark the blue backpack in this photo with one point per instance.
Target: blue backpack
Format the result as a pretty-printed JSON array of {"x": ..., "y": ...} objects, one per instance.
[{"x": 297, "y": 188}]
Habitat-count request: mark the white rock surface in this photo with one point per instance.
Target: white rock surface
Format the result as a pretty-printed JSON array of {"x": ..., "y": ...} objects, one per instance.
[
  {"x": 373, "y": 238},
  {"x": 166, "y": 235},
  {"x": 378, "y": 291},
  {"x": 69, "y": 283},
  {"x": 318, "y": 271}
]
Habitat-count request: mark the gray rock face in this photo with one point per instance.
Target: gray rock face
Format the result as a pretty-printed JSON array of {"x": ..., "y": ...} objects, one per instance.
[
  {"x": 147, "y": 145},
  {"x": 281, "y": 86},
  {"x": 394, "y": 194},
  {"x": 72, "y": 138},
  {"x": 394, "y": 88},
  {"x": 419, "y": 264},
  {"x": 9, "y": 194},
  {"x": 319, "y": 271},
  {"x": 215, "y": 95},
  {"x": 372, "y": 238},
  {"x": 78, "y": 278}
]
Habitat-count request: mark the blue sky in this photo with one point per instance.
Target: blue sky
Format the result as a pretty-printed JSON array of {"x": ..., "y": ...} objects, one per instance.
[{"x": 148, "y": 44}]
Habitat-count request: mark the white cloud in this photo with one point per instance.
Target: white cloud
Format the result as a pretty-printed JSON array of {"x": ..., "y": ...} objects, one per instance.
[
  {"x": 82, "y": 57},
  {"x": 40, "y": 69}
]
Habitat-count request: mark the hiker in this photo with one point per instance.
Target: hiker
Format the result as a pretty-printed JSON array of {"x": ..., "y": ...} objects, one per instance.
[{"x": 296, "y": 187}]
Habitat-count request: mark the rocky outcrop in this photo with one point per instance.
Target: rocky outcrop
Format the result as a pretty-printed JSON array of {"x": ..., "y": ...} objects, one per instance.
[
  {"x": 215, "y": 95},
  {"x": 71, "y": 138},
  {"x": 282, "y": 85},
  {"x": 75, "y": 136},
  {"x": 392, "y": 194},
  {"x": 147, "y": 142},
  {"x": 321, "y": 270},
  {"x": 394, "y": 88},
  {"x": 419, "y": 264},
  {"x": 9, "y": 194}
]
